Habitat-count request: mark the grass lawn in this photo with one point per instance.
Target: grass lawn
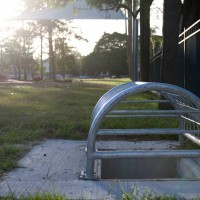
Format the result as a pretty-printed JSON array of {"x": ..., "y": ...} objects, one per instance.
[
  {"x": 31, "y": 112},
  {"x": 34, "y": 111}
]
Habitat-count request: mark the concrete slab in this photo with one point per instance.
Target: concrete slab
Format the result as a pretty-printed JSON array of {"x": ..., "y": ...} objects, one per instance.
[{"x": 53, "y": 166}]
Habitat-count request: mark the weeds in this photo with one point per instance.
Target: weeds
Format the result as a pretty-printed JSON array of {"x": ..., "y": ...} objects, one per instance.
[
  {"x": 147, "y": 194},
  {"x": 8, "y": 157},
  {"x": 43, "y": 196}
]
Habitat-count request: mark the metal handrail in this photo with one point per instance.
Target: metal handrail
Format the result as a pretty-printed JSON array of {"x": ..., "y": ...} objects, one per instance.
[
  {"x": 152, "y": 131},
  {"x": 145, "y": 101},
  {"x": 191, "y": 28},
  {"x": 147, "y": 154},
  {"x": 186, "y": 106}
]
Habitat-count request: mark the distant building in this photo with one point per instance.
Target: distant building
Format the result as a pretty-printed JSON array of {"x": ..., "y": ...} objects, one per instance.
[{"x": 46, "y": 66}]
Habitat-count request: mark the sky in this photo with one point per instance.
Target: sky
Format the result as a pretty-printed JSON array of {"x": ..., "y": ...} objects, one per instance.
[
  {"x": 92, "y": 30},
  {"x": 9, "y": 8}
]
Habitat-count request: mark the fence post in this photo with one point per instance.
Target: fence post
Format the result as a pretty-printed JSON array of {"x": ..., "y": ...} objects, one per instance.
[{"x": 184, "y": 57}]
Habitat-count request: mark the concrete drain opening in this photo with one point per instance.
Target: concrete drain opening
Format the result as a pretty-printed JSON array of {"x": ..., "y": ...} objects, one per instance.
[
  {"x": 138, "y": 168},
  {"x": 183, "y": 121},
  {"x": 154, "y": 169}
]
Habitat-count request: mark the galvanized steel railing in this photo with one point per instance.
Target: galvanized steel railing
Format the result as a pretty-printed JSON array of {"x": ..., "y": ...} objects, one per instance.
[{"x": 186, "y": 108}]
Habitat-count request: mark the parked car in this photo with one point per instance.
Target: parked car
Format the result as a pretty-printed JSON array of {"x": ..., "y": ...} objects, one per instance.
[{"x": 36, "y": 77}]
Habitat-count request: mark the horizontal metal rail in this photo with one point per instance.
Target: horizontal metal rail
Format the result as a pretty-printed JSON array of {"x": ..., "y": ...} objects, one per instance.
[
  {"x": 153, "y": 111},
  {"x": 186, "y": 38},
  {"x": 189, "y": 32},
  {"x": 145, "y": 101},
  {"x": 193, "y": 138},
  {"x": 187, "y": 107},
  {"x": 153, "y": 131},
  {"x": 190, "y": 27},
  {"x": 149, "y": 113},
  {"x": 129, "y": 116},
  {"x": 191, "y": 120},
  {"x": 147, "y": 154}
]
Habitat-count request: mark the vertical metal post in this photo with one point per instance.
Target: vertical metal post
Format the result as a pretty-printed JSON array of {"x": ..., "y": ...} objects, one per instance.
[
  {"x": 184, "y": 46},
  {"x": 182, "y": 127},
  {"x": 135, "y": 42},
  {"x": 135, "y": 49}
]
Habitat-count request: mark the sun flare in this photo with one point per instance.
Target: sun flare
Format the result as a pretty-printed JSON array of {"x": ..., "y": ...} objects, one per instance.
[{"x": 9, "y": 9}]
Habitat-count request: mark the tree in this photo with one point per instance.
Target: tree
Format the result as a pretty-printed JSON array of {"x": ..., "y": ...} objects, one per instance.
[
  {"x": 111, "y": 49},
  {"x": 109, "y": 55},
  {"x": 25, "y": 36},
  {"x": 191, "y": 12},
  {"x": 145, "y": 38},
  {"x": 117, "y": 4},
  {"x": 18, "y": 50},
  {"x": 41, "y": 35},
  {"x": 144, "y": 27},
  {"x": 156, "y": 44},
  {"x": 31, "y": 5},
  {"x": 67, "y": 60},
  {"x": 51, "y": 27},
  {"x": 109, "y": 42},
  {"x": 17, "y": 56},
  {"x": 172, "y": 12},
  {"x": 12, "y": 58},
  {"x": 89, "y": 64}
]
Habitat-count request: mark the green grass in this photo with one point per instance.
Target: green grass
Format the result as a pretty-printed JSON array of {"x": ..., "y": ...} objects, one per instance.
[
  {"x": 43, "y": 196},
  {"x": 8, "y": 155},
  {"x": 107, "y": 81},
  {"x": 134, "y": 194},
  {"x": 32, "y": 112},
  {"x": 60, "y": 110},
  {"x": 147, "y": 194}
]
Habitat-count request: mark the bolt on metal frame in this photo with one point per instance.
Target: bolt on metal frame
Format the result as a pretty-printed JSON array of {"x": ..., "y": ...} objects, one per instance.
[{"x": 186, "y": 108}]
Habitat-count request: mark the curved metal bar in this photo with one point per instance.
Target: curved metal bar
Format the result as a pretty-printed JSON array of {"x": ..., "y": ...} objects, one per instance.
[
  {"x": 119, "y": 93},
  {"x": 106, "y": 97}
]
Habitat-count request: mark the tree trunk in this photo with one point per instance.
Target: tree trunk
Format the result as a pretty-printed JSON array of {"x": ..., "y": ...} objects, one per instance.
[
  {"x": 145, "y": 38},
  {"x": 41, "y": 58},
  {"x": 53, "y": 65},
  {"x": 50, "y": 51},
  {"x": 24, "y": 63},
  {"x": 63, "y": 58},
  {"x": 191, "y": 12},
  {"x": 172, "y": 11},
  {"x": 19, "y": 65}
]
